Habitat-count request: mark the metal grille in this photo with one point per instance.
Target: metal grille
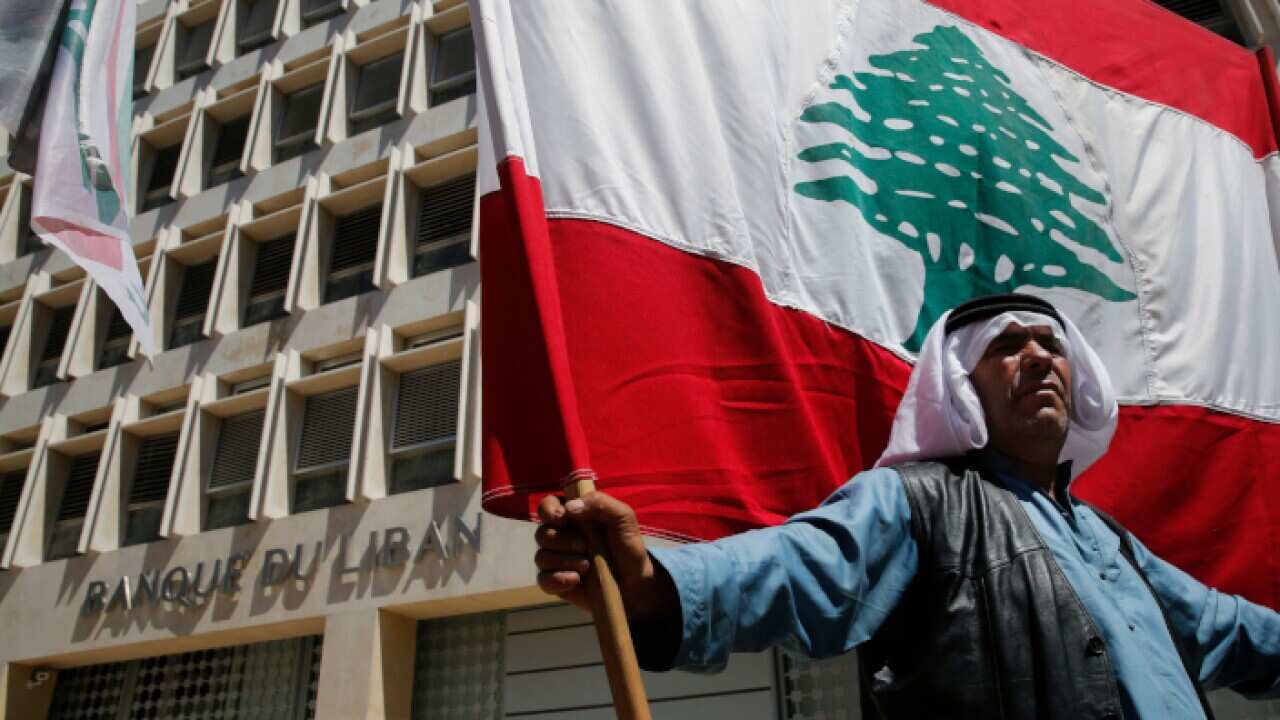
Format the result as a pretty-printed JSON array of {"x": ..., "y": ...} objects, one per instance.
[
  {"x": 237, "y": 456},
  {"x": 255, "y": 31},
  {"x": 117, "y": 327},
  {"x": 141, "y": 64},
  {"x": 327, "y": 426},
  {"x": 194, "y": 48},
  {"x": 355, "y": 238},
  {"x": 10, "y": 493},
  {"x": 197, "y": 283},
  {"x": 79, "y": 487},
  {"x": 819, "y": 689},
  {"x": 427, "y": 405},
  {"x": 458, "y": 668},
  {"x": 275, "y": 680},
  {"x": 155, "y": 465},
  {"x": 59, "y": 327},
  {"x": 271, "y": 268},
  {"x": 445, "y": 210},
  {"x": 90, "y": 693}
]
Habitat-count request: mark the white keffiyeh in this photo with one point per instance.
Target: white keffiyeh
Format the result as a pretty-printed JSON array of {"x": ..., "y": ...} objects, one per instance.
[{"x": 940, "y": 414}]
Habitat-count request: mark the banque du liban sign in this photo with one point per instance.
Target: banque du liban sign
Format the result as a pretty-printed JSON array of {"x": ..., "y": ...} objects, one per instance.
[{"x": 191, "y": 585}]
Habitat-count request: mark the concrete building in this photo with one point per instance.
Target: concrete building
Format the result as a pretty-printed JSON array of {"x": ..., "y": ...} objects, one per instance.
[{"x": 279, "y": 517}]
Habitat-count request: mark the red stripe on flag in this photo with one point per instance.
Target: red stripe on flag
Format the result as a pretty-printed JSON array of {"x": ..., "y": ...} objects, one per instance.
[
  {"x": 1140, "y": 48},
  {"x": 713, "y": 411},
  {"x": 1198, "y": 487},
  {"x": 84, "y": 242},
  {"x": 706, "y": 406},
  {"x": 528, "y": 404}
]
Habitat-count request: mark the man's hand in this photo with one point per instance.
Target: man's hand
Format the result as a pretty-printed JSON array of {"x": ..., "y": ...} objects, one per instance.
[{"x": 647, "y": 591}]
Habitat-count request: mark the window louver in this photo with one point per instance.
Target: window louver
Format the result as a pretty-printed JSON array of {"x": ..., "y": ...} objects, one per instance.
[
  {"x": 79, "y": 488},
  {"x": 197, "y": 283},
  {"x": 271, "y": 268},
  {"x": 117, "y": 327},
  {"x": 10, "y": 493},
  {"x": 1209, "y": 13},
  {"x": 355, "y": 239},
  {"x": 327, "y": 426},
  {"x": 237, "y": 455},
  {"x": 155, "y": 465},
  {"x": 427, "y": 405},
  {"x": 59, "y": 327},
  {"x": 445, "y": 211}
]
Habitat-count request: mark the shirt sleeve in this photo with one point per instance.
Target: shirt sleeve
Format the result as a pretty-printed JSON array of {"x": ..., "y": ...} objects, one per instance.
[
  {"x": 1237, "y": 642},
  {"x": 824, "y": 581}
]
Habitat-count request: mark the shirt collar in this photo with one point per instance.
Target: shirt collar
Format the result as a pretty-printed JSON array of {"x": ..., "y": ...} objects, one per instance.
[{"x": 1007, "y": 473}]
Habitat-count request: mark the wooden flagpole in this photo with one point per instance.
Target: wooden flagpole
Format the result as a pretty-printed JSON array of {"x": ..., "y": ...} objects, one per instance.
[{"x": 612, "y": 631}]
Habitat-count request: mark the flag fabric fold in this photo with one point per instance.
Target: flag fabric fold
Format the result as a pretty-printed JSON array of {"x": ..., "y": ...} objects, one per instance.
[
  {"x": 714, "y": 234},
  {"x": 80, "y": 199}
]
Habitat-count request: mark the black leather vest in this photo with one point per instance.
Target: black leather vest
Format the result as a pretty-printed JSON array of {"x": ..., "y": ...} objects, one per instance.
[{"x": 990, "y": 627}]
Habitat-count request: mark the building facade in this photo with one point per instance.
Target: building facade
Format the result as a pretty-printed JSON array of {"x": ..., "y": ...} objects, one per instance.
[{"x": 279, "y": 516}]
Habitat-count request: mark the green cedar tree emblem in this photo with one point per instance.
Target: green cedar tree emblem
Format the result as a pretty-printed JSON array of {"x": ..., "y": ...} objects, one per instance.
[
  {"x": 97, "y": 178},
  {"x": 950, "y": 161}
]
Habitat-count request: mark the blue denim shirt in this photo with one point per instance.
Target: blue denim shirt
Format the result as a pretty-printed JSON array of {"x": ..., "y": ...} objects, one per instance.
[{"x": 825, "y": 581}]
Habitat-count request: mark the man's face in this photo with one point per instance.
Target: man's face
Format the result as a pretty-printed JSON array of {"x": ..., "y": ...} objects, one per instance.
[{"x": 1024, "y": 383}]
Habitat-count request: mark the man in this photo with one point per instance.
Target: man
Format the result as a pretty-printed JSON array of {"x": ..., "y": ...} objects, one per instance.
[{"x": 969, "y": 579}]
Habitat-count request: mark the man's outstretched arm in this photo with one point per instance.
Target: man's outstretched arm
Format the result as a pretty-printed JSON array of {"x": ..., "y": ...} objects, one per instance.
[
  {"x": 826, "y": 579},
  {"x": 1237, "y": 641}
]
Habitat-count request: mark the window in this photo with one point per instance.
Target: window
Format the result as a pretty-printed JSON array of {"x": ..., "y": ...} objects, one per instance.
[
  {"x": 193, "y": 301},
  {"x": 234, "y": 463},
  {"x": 227, "y": 149},
  {"x": 141, "y": 64},
  {"x": 355, "y": 243},
  {"x": 297, "y": 130},
  {"x": 324, "y": 450},
  {"x": 73, "y": 505},
  {"x": 1210, "y": 13},
  {"x": 315, "y": 12},
  {"x": 28, "y": 240},
  {"x": 54, "y": 340},
  {"x": 444, "y": 226},
  {"x": 4, "y": 338},
  {"x": 255, "y": 28},
  {"x": 163, "y": 165},
  {"x": 193, "y": 48},
  {"x": 426, "y": 418},
  {"x": 270, "y": 278},
  {"x": 377, "y": 88},
  {"x": 115, "y": 348},
  {"x": 458, "y": 668},
  {"x": 150, "y": 488},
  {"x": 453, "y": 68},
  {"x": 10, "y": 492},
  {"x": 276, "y": 679}
]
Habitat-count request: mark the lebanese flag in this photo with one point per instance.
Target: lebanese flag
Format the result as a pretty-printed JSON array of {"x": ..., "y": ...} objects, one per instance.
[
  {"x": 714, "y": 233},
  {"x": 81, "y": 196}
]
